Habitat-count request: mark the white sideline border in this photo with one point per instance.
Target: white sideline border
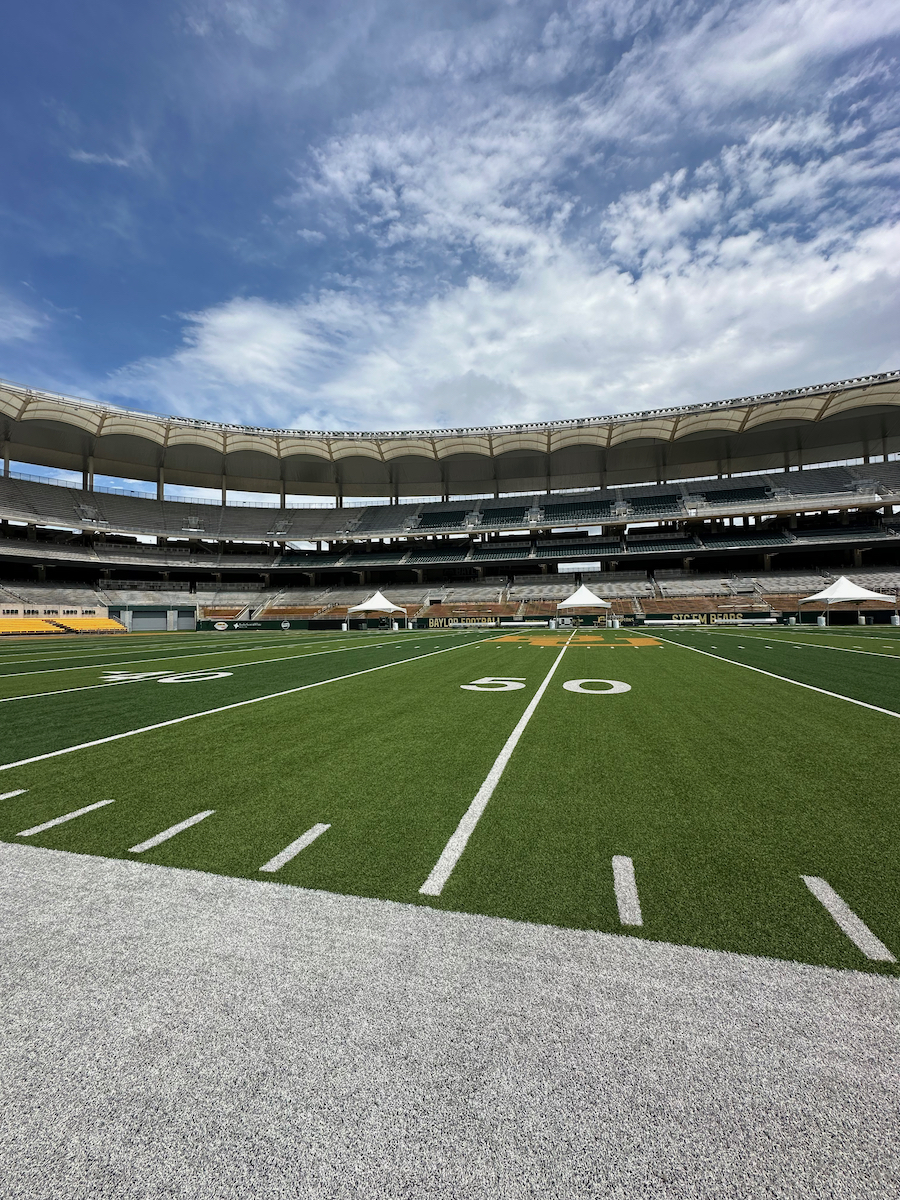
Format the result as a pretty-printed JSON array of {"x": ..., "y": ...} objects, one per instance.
[
  {"x": 450, "y": 855},
  {"x": 888, "y": 712},
  {"x": 847, "y": 921},
  {"x": 209, "y": 712}
]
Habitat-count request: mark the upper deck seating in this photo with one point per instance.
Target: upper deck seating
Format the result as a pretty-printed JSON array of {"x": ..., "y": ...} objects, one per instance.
[
  {"x": 426, "y": 557},
  {"x": 580, "y": 511},
  {"x": 843, "y": 532},
  {"x": 750, "y": 541},
  {"x": 588, "y": 549},
  {"x": 384, "y": 518},
  {"x": 497, "y": 552},
  {"x": 655, "y": 504},
  {"x": 454, "y": 518},
  {"x": 508, "y": 517},
  {"x": 816, "y": 483},
  {"x": 737, "y": 495}
]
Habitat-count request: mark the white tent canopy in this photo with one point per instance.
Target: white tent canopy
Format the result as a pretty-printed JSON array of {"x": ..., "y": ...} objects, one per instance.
[
  {"x": 583, "y": 598},
  {"x": 376, "y": 604},
  {"x": 844, "y": 590}
]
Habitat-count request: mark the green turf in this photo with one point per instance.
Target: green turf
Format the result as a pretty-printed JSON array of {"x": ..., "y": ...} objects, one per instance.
[{"x": 722, "y": 784}]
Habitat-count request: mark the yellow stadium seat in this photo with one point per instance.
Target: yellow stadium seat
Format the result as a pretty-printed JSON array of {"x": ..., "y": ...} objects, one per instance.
[
  {"x": 89, "y": 624},
  {"x": 14, "y": 625}
]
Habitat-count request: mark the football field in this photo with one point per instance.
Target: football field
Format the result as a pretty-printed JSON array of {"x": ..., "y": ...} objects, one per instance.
[{"x": 731, "y": 789}]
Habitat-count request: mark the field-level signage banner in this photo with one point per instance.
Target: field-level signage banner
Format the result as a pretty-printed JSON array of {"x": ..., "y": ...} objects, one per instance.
[
  {"x": 446, "y": 622},
  {"x": 706, "y": 618},
  {"x": 227, "y": 626}
]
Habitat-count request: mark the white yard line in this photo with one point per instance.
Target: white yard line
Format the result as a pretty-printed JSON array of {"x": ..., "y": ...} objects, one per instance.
[
  {"x": 627, "y": 899},
  {"x": 451, "y": 853},
  {"x": 888, "y": 712},
  {"x": 291, "y": 851},
  {"x": 853, "y": 926},
  {"x": 209, "y": 712},
  {"x": 158, "y": 838},
  {"x": 17, "y": 792},
  {"x": 62, "y": 820},
  {"x": 90, "y": 687}
]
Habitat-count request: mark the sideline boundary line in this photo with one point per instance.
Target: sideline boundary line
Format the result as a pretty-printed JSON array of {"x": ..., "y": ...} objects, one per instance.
[
  {"x": 450, "y": 855},
  {"x": 888, "y": 712},
  {"x": 209, "y": 712}
]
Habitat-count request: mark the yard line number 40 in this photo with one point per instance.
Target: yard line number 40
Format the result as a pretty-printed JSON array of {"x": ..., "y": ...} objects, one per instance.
[{"x": 511, "y": 683}]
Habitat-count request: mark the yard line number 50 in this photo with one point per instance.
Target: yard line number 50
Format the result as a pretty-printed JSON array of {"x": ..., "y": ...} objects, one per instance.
[{"x": 512, "y": 683}]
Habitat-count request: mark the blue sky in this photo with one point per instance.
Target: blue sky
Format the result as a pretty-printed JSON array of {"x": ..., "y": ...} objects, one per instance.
[{"x": 372, "y": 215}]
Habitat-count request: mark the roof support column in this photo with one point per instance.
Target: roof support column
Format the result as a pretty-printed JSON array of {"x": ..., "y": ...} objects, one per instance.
[
  {"x": 224, "y": 490},
  {"x": 6, "y": 460},
  {"x": 87, "y": 474},
  {"x": 160, "y": 483}
]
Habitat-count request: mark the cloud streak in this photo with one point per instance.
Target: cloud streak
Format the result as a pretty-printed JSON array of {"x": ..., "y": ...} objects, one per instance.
[{"x": 559, "y": 212}]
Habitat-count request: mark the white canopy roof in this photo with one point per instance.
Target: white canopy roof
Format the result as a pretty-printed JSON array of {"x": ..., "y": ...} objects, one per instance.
[
  {"x": 376, "y": 603},
  {"x": 843, "y": 590},
  {"x": 584, "y": 598}
]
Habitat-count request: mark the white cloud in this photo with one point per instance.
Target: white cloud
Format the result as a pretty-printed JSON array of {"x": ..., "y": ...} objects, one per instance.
[
  {"x": 521, "y": 250},
  {"x": 257, "y": 21},
  {"x": 18, "y": 322},
  {"x": 135, "y": 157}
]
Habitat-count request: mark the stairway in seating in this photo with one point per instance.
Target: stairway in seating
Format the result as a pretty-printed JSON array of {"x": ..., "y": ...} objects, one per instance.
[
  {"x": 15, "y": 595},
  {"x": 254, "y": 610},
  {"x": 637, "y": 606},
  {"x": 520, "y": 612}
]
